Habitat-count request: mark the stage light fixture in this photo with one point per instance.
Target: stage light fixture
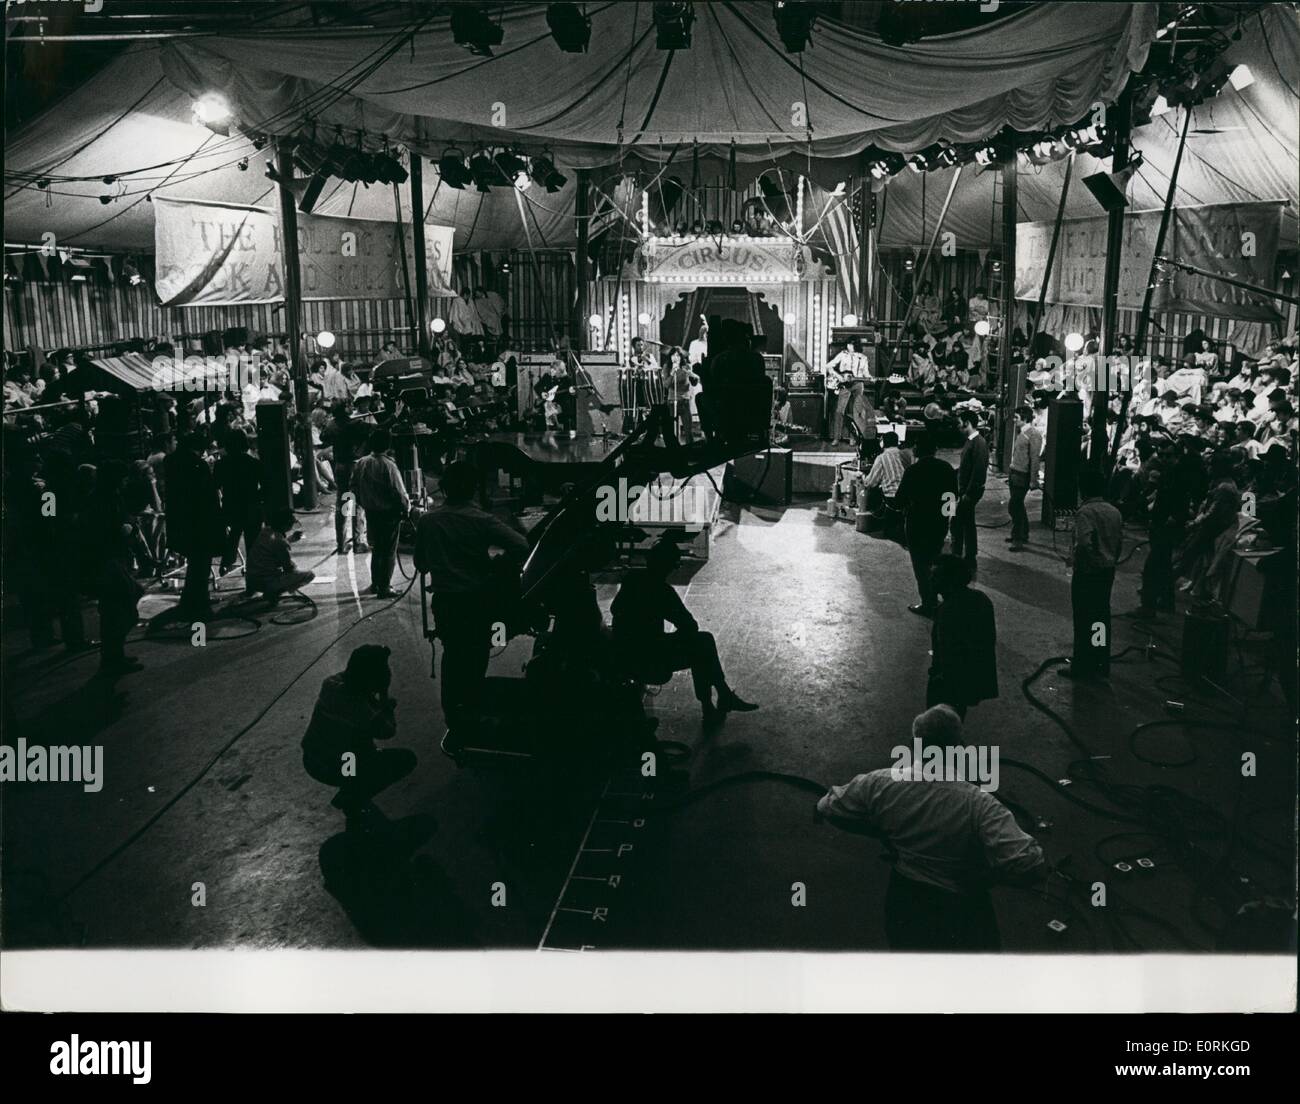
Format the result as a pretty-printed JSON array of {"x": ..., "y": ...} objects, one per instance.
[
  {"x": 946, "y": 156},
  {"x": 483, "y": 171},
  {"x": 982, "y": 328},
  {"x": 325, "y": 339},
  {"x": 794, "y": 23},
  {"x": 986, "y": 155},
  {"x": 542, "y": 170},
  {"x": 438, "y": 325},
  {"x": 510, "y": 164},
  {"x": 1241, "y": 77},
  {"x": 570, "y": 27},
  {"x": 243, "y": 164},
  {"x": 1073, "y": 342},
  {"x": 673, "y": 19},
  {"x": 850, "y": 320},
  {"x": 212, "y": 110},
  {"x": 453, "y": 171},
  {"x": 472, "y": 28},
  {"x": 1042, "y": 148}
]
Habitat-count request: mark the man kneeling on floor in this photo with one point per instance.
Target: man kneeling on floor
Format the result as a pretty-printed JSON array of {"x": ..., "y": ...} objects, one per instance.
[
  {"x": 352, "y": 712},
  {"x": 949, "y": 841},
  {"x": 644, "y": 602},
  {"x": 271, "y": 570}
]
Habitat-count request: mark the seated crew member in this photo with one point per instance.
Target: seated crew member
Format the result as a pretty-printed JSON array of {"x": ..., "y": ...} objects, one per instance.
[
  {"x": 887, "y": 472},
  {"x": 338, "y": 748},
  {"x": 964, "y": 668},
  {"x": 644, "y": 602},
  {"x": 949, "y": 841},
  {"x": 270, "y": 569},
  {"x": 452, "y": 547}
]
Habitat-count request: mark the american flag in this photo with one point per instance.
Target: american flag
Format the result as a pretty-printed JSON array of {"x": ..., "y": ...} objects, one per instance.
[{"x": 831, "y": 221}]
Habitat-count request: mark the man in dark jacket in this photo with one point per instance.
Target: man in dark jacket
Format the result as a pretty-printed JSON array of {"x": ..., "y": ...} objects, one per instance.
[
  {"x": 194, "y": 527},
  {"x": 964, "y": 670},
  {"x": 972, "y": 472},
  {"x": 238, "y": 476},
  {"x": 347, "y": 439},
  {"x": 927, "y": 495}
]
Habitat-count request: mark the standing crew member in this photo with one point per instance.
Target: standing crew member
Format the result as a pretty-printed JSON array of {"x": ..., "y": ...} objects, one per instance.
[
  {"x": 377, "y": 484},
  {"x": 972, "y": 472},
  {"x": 926, "y": 495},
  {"x": 1022, "y": 474},
  {"x": 1098, "y": 532},
  {"x": 452, "y": 546}
]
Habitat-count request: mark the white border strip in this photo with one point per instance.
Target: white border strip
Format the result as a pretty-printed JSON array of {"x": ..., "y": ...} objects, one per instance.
[{"x": 375, "y": 981}]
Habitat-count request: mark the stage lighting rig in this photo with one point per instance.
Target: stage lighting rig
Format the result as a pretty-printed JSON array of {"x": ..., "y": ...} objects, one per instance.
[
  {"x": 544, "y": 172},
  {"x": 453, "y": 170},
  {"x": 794, "y": 23},
  {"x": 512, "y": 167},
  {"x": 212, "y": 110},
  {"x": 570, "y": 27},
  {"x": 472, "y": 28},
  {"x": 673, "y": 20},
  {"x": 483, "y": 171}
]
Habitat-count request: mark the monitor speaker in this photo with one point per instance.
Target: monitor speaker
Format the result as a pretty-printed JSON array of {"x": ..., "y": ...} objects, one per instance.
[
  {"x": 1062, "y": 457},
  {"x": 273, "y": 449}
]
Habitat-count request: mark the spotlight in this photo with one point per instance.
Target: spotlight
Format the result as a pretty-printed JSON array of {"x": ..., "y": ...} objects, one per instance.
[
  {"x": 471, "y": 28},
  {"x": 1241, "y": 77},
  {"x": 946, "y": 156},
  {"x": 542, "y": 169},
  {"x": 982, "y": 328},
  {"x": 673, "y": 20},
  {"x": 850, "y": 320},
  {"x": 212, "y": 110},
  {"x": 511, "y": 165},
  {"x": 985, "y": 155},
  {"x": 886, "y": 165},
  {"x": 794, "y": 22},
  {"x": 918, "y": 162},
  {"x": 483, "y": 170},
  {"x": 1073, "y": 342},
  {"x": 1043, "y": 148},
  {"x": 243, "y": 164},
  {"x": 325, "y": 339},
  {"x": 452, "y": 169},
  {"x": 438, "y": 325},
  {"x": 570, "y": 28}
]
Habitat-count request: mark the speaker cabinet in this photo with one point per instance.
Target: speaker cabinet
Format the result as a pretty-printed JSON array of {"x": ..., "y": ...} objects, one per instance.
[
  {"x": 1062, "y": 457},
  {"x": 273, "y": 449}
]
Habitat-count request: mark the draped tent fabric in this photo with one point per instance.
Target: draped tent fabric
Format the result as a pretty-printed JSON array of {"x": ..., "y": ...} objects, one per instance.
[
  {"x": 1050, "y": 62},
  {"x": 1031, "y": 69}
]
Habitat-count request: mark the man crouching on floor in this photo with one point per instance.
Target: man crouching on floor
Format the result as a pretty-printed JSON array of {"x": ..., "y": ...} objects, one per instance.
[{"x": 352, "y": 712}]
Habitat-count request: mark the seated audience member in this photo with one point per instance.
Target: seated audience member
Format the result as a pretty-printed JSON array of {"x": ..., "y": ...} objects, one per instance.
[
  {"x": 963, "y": 670},
  {"x": 270, "y": 568},
  {"x": 452, "y": 546},
  {"x": 645, "y": 600},
  {"x": 949, "y": 841},
  {"x": 352, "y": 712}
]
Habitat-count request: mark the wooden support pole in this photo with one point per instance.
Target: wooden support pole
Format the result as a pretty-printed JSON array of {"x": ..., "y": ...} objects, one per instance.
[
  {"x": 1121, "y": 115},
  {"x": 293, "y": 319},
  {"x": 581, "y": 301},
  {"x": 1006, "y": 308},
  {"x": 421, "y": 257}
]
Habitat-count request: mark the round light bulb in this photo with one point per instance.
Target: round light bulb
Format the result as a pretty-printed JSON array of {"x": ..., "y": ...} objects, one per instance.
[
  {"x": 1074, "y": 342},
  {"x": 438, "y": 325},
  {"x": 850, "y": 320},
  {"x": 325, "y": 339},
  {"x": 982, "y": 328}
]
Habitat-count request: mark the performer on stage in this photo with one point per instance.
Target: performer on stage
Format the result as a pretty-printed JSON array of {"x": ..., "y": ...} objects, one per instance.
[{"x": 846, "y": 374}]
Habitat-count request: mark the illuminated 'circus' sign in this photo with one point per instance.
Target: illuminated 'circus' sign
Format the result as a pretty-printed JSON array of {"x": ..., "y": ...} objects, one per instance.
[{"x": 730, "y": 259}]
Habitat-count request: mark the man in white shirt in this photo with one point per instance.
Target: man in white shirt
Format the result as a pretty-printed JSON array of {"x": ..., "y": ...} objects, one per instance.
[
  {"x": 948, "y": 838},
  {"x": 887, "y": 471},
  {"x": 845, "y": 373}
]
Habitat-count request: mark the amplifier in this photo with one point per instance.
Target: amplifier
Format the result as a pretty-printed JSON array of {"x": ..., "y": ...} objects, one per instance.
[
  {"x": 273, "y": 449},
  {"x": 1062, "y": 457}
]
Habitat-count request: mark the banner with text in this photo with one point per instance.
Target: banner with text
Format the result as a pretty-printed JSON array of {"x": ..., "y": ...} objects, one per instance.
[
  {"x": 1239, "y": 240},
  {"x": 219, "y": 254}
]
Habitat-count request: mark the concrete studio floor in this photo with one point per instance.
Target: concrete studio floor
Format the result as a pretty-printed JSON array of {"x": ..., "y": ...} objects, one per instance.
[{"x": 203, "y": 781}]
